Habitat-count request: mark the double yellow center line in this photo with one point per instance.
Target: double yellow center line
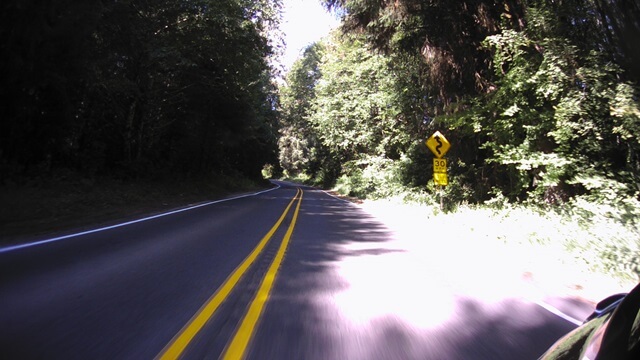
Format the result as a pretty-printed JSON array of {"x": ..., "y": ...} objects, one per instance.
[{"x": 236, "y": 348}]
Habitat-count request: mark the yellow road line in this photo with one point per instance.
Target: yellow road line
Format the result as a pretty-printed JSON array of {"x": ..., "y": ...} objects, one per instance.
[
  {"x": 238, "y": 345},
  {"x": 176, "y": 346}
]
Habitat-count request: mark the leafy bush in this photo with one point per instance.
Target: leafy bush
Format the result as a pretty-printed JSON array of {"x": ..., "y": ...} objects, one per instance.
[{"x": 371, "y": 177}]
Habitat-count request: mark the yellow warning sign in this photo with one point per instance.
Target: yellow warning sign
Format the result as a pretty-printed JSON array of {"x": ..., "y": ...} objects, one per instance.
[
  {"x": 440, "y": 179},
  {"x": 438, "y": 144}
]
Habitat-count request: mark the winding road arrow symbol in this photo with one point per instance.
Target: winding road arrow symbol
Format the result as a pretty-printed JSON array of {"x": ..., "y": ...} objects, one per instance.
[{"x": 438, "y": 144}]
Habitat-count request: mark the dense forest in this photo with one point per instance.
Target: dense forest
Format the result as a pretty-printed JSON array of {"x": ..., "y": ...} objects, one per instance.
[
  {"x": 137, "y": 89},
  {"x": 539, "y": 100}
]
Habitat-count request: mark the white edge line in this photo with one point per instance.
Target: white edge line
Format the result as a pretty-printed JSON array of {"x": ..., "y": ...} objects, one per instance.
[
  {"x": 558, "y": 313},
  {"x": 46, "y": 241}
]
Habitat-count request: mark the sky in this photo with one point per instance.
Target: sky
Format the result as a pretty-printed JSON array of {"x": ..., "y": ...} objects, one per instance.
[{"x": 304, "y": 22}]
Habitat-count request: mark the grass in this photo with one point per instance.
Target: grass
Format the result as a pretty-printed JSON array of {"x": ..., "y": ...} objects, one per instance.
[
  {"x": 69, "y": 201},
  {"x": 592, "y": 254}
]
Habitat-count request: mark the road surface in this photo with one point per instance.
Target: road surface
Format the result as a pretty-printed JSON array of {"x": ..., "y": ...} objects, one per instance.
[{"x": 290, "y": 273}]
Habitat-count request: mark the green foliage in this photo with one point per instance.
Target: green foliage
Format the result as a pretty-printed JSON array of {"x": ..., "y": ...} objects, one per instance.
[
  {"x": 552, "y": 115},
  {"x": 539, "y": 100},
  {"x": 298, "y": 143},
  {"x": 138, "y": 89},
  {"x": 269, "y": 171},
  {"x": 371, "y": 177},
  {"x": 549, "y": 100},
  {"x": 355, "y": 109},
  {"x": 626, "y": 113},
  {"x": 608, "y": 238},
  {"x": 446, "y": 35},
  {"x": 340, "y": 117}
]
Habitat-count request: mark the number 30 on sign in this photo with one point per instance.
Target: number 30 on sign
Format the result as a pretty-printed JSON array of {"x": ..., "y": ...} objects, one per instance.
[{"x": 440, "y": 166}]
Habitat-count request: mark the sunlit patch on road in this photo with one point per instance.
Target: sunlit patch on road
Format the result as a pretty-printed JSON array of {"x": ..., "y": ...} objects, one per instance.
[{"x": 390, "y": 284}]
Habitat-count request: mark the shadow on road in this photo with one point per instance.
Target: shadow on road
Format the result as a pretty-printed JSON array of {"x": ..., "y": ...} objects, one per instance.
[{"x": 348, "y": 289}]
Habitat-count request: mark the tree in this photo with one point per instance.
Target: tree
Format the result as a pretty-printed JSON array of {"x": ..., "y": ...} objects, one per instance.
[
  {"x": 355, "y": 111},
  {"x": 532, "y": 91},
  {"x": 139, "y": 88},
  {"x": 43, "y": 49},
  {"x": 298, "y": 142},
  {"x": 356, "y": 116},
  {"x": 445, "y": 34}
]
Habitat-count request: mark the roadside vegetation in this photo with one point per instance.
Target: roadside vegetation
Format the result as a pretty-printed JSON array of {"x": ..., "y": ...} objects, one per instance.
[
  {"x": 68, "y": 200},
  {"x": 137, "y": 90},
  {"x": 117, "y": 108},
  {"x": 587, "y": 238},
  {"x": 539, "y": 100}
]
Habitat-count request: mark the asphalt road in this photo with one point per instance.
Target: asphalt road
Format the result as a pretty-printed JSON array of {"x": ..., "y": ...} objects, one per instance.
[{"x": 325, "y": 281}]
